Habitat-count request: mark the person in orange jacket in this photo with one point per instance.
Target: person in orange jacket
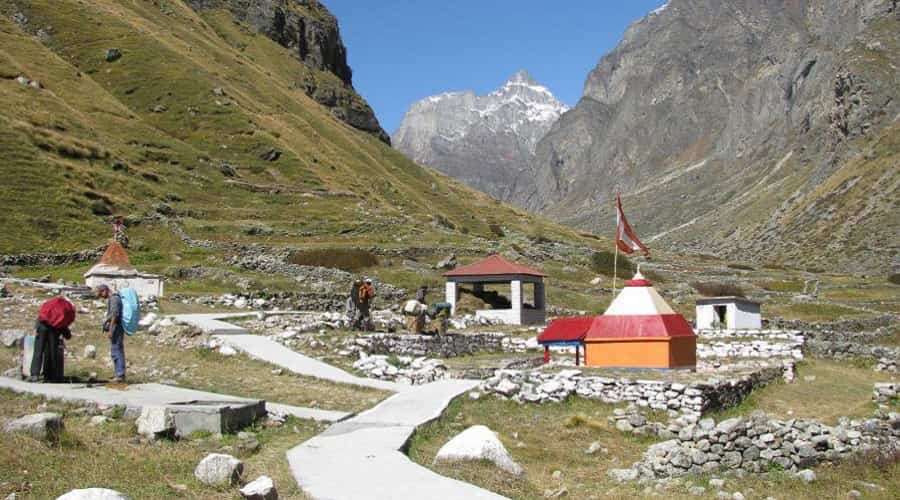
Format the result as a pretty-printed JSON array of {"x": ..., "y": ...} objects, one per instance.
[{"x": 366, "y": 294}]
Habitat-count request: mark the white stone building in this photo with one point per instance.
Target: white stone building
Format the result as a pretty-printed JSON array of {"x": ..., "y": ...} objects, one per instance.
[{"x": 728, "y": 313}]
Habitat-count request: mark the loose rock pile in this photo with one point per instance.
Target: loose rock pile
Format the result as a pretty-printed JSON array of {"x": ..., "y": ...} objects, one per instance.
[
  {"x": 757, "y": 444},
  {"x": 402, "y": 369},
  {"x": 886, "y": 365},
  {"x": 885, "y": 392},
  {"x": 536, "y": 386}
]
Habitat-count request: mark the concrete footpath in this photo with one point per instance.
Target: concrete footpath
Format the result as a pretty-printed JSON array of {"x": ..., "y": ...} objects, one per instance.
[
  {"x": 212, "y": 323},
  {"x": 363, "y": 457},
  {"x": 274, "y": 353},
  {"x": 135, "y": 397}
]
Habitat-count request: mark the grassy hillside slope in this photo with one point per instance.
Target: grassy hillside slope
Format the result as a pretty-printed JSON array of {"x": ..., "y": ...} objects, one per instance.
[{"x": 184, "y": 118}]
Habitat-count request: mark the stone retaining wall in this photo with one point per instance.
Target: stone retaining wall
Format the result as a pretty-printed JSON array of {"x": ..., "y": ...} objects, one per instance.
[
  {"x": 848, "y": 349},
  {"x": 694, "y": 398},
  {"x": 448, "y": 346},
  {"x": 52, "y": 259},
  {"x": 757, "y": 444},
  {"x": 751, "y": 349}
]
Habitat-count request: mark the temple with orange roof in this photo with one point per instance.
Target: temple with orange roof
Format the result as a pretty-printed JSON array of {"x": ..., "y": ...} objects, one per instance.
[
  {"x": 496, "y": 270},
  {"x": 115, "y": 271},
  {"x": 638, "y": 330}
]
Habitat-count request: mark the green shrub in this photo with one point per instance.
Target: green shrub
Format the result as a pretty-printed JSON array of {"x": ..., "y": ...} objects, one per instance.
[
  {"x": 496, "y": 230},
  {"x": 718, "y": 289},
  {"x": 602, "y": 263},
  {"x": 894, "y": 278},
  {"x": 347, "y": 259},
  {"x": 782, "y": 286},
  {"x": 742, "y": 267}
]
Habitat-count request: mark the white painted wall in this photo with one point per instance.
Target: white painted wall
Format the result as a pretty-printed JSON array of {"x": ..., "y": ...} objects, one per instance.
[{"x": 145, "y": 287}]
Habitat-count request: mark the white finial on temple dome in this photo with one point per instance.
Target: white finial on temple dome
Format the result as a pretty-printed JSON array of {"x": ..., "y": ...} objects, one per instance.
[{"x": 638, "y": 275}]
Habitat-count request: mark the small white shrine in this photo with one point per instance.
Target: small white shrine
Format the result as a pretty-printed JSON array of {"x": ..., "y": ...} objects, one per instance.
[
  {"x": 728, "y": 313},
  {"x": 115, "y": 271}
]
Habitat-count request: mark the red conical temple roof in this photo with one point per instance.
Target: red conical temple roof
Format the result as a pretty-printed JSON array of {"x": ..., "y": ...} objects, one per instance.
[{"x": 116, "y": 256}]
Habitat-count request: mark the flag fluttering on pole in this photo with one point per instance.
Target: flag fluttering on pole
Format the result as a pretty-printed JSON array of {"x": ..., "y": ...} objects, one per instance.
[{"x": 626, "y": 240}]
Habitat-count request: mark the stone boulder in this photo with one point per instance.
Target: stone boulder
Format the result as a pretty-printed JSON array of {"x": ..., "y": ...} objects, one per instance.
[
  {"x": 261, "y": 488},
  {"x": 90, "y": 351},
  {"x": 478, "y": 443},
  {"x": 156, "y": 422},
  {"x": 43, "y": 426},
  {"x": 11, "y": 338},
  {"x": 94, "y": 494},
  {"x": 218, "y": 469}
]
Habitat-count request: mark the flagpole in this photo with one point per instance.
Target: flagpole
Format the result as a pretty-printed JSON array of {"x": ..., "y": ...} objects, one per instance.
[
  {"x": 616, "y": 244},
  {"x": 615, "y": 264}
]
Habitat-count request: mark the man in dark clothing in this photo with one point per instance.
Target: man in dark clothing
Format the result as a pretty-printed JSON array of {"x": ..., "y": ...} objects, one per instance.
[
  {"x": 115, "y": 332},
  {"x": 353, "y": 304},
  {"x": 49, "y": 351}
]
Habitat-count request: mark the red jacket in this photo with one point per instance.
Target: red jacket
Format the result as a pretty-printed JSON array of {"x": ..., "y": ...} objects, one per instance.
[{"x": 57, "y": 312}]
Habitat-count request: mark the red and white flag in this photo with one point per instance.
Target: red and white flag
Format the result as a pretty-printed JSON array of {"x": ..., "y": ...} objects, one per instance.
[{"x": 626, "y": 240}]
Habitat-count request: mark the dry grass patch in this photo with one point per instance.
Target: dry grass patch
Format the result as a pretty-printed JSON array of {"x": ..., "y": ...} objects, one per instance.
[
  {"x": 814, "y": 311},
  {"x": 539, "y": 439},
  {"x": 112, "y": 456},
  {"x": 839, "y": 389}
]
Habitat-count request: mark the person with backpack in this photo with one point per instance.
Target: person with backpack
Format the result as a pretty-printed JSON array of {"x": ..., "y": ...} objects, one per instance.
[
  {"x": 122, "y": 314},
  {"x": 52, "y": 326},
  {"x": 366, "y": 294}
]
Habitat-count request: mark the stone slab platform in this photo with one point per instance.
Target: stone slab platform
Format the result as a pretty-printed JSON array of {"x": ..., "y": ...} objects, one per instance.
[{"x": 140, "y": 395}]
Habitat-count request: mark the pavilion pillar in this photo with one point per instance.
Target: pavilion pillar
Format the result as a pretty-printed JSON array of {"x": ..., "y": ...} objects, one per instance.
[
  {"x": 540, "y": 298},
  {"x": 451, "y": 295},
  {"x": 478, "y": 288},
  {"x": 546, "y": 354},
  {"x": 516, "y": 299}
]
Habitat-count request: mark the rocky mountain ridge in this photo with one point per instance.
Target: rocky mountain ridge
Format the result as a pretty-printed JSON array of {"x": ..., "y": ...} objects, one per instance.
[
  {"x": 763, "y": 131},
  {"x": 311, "y": 33},
  {"x": 485, "y": 141}
]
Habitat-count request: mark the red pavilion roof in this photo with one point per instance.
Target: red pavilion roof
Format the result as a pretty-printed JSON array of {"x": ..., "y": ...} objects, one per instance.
[{"x": 495, "y": 265}]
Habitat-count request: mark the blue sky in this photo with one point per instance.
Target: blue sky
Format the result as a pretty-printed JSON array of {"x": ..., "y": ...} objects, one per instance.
[{"x": 404, "y": 50}]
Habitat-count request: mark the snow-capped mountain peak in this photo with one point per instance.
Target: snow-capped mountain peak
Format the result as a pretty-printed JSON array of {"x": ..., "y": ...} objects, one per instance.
[{"x": 500, "y": 128}]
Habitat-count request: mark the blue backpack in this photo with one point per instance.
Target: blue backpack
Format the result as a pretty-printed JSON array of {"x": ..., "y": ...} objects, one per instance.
[{"x": 131, "y": 310}]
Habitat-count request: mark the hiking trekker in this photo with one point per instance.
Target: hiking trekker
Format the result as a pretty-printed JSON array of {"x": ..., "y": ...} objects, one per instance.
[
  {"x": 366, "y": 294},
  {"x": 115, "y": 332},
  {"x": 52, "y": 326}
]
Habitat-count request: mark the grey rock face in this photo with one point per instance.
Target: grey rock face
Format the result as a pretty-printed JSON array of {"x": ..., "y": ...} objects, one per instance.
[
  {"x": 11, "y": 338},
  {"x": 311, "y": 33},
  {"x": 737, "y": 127},
  {"x": 43, "y": 426},
  {"x": 485, "y": 141}
]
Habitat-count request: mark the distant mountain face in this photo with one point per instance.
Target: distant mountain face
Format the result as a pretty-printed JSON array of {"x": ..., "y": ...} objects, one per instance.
[
  {"x": 485, "y": 141},
  {"x": 765, "y": 131}
]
